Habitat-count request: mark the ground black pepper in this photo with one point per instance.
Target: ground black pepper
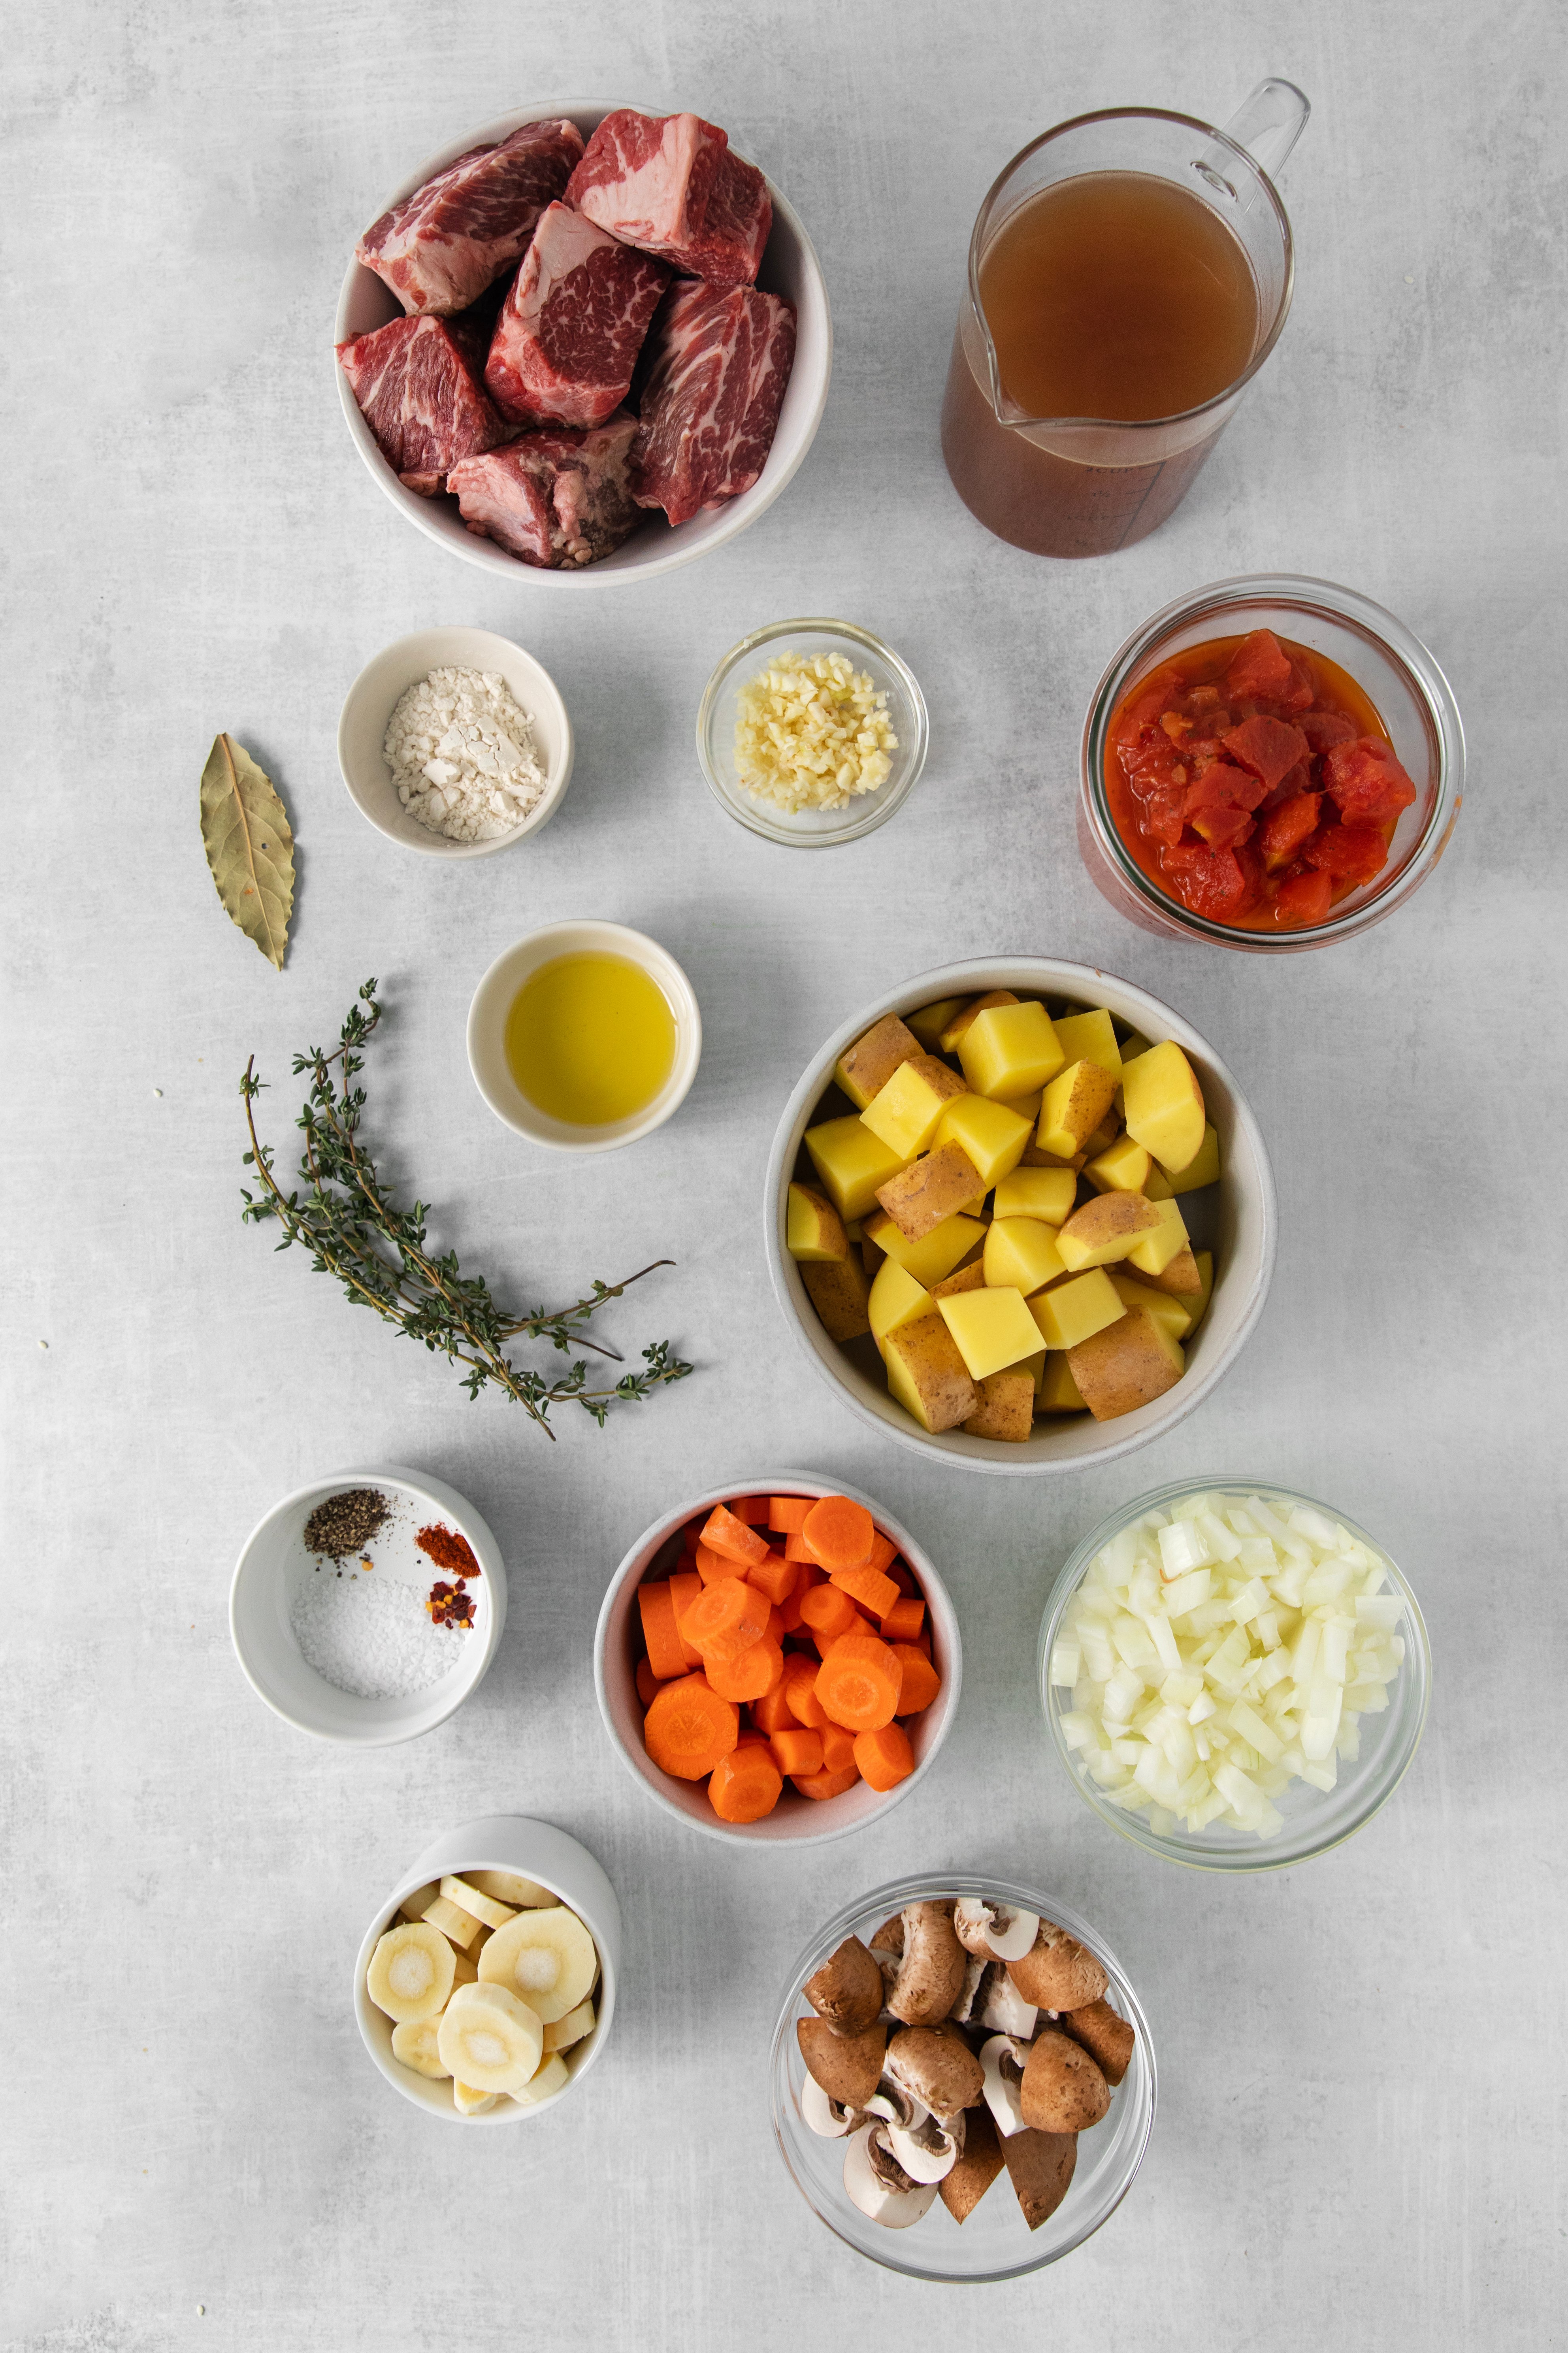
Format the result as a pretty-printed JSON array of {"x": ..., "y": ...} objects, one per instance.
[{"x": 345, "y": 1523}]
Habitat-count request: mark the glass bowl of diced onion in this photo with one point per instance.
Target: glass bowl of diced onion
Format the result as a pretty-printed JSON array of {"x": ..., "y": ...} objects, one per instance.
[
  {"x": 1235, "y": 1676},
  {"x": 830, "y": 696}
]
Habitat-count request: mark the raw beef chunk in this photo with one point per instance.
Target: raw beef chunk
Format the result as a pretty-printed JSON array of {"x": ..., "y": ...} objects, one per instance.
[
  {"x": 558, "y": 497},
  {"x": 421, "y": 399},
  {"x": 445, "y": 243},
  {"x": 570, "y": 329},
  {"x": 711, "y": 405},
  {"x": 670, "y": 185}
]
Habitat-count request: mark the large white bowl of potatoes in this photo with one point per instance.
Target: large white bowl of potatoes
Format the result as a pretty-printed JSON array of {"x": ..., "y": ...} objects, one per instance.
[{"x": 1019, "y": 1213}]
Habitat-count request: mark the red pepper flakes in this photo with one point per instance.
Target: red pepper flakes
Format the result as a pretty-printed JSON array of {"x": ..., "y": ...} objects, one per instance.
[
  {"x": 447, "y": 1549},
  {"x": 451, "y": 1605}
]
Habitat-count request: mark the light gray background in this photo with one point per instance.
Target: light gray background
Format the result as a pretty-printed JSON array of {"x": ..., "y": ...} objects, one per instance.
[{"x": 1360, "y": 2138}]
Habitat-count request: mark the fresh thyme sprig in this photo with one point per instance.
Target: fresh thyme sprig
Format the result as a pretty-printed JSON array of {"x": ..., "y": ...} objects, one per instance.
[{"x": 353, "y": 1230}]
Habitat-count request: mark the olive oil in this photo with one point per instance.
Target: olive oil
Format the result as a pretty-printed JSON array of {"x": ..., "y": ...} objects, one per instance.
[{"x": 590, "y": 1039}]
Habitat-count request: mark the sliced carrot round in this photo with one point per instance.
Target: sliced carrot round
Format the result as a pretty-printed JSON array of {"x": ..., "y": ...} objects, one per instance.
[
  {"x": 859, "y": 1683},
  {"x": 799, "y": 1688},
  {"x": 839, "y": 1533},
  {"x": 745, "y": 1785},
  {"x": 885, "y": 1758},
  {"x": 826, "y": 1785},
  {"x": 689, "y": 1728},
  {"x": 921, "y": 1684},
  {"x": 751, "y": 1675},
  {"x": 726, "y": 1619},
  {"x": 826, "y": 1610}
]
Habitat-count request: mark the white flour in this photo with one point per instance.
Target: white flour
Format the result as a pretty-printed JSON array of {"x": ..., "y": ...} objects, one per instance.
[{"x": 462, "y": 756}]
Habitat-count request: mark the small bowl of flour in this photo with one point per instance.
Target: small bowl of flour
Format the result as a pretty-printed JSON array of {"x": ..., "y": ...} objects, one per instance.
[
  {"x": 455, "y": 742},
  {"x": 341, "y": 1606}
]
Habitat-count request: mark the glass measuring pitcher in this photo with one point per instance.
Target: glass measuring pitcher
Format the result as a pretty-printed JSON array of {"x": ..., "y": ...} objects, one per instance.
[{"x": 1082, "y": 484}]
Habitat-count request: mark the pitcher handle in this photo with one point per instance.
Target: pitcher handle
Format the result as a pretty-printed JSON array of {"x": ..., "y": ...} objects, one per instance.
[{"x": 1267, "y": 124}]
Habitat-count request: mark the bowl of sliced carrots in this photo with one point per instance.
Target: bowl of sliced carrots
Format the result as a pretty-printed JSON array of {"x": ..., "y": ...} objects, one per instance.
[{"x": 777, "y": 1659}]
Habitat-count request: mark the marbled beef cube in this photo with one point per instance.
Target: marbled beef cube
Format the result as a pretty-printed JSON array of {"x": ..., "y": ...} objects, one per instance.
[
  {"x": 441, "y": 246},
  {"x": 420, "y": 396},
  {"x": 572, "y": 323},
  {"x": 559, "y": 497},
  {"x": 670, "y": 185},
  {"x": 711, "y": 405}
]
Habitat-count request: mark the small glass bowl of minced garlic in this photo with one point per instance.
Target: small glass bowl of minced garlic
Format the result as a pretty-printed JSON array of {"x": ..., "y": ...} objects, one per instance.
[{"x": 811, "y": 731}]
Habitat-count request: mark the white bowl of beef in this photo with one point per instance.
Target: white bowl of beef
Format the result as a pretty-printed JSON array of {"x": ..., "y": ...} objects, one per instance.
[{"x": 584, "y": 457}]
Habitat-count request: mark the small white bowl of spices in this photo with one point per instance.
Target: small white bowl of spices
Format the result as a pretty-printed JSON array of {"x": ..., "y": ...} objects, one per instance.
[
  {"x": 455, "y": 742},
  {"x": 366, "y": 1608},
  {"x": 811, "y": 732}
]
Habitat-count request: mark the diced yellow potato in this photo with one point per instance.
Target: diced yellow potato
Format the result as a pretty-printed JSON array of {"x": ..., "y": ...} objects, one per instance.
[
  {"x": 930, "y": 1022},
  {"x": 1028, "y": 1106},
  {"x": 864, "y": 1069},
  {"x": 967, "y": 1012},
  {"x": 1163, "y": 1305},
  {"x": 935, "y": 1254},
  {"x": 1021, "y": 1253},
  {"x": 1008, "y": 1050},
  {"x": 1122, "y": 1167},
  {"x": 1103, "y": 1137},
  {"x": 1200, "y": 1305},
  {"x": 1034, "y": 1159},
  {"x": 1126, "y": 1365},
  {"x": 1107, "y": 1229},
  {"x": 841, "y": 1296},
  {"x": 993, "y": 1136},
  {"x": 1180, "y": 1277},
  {"x": 1059, "y": 1391},
  {"x": 1007, "y": 1407},
  {"x": 1034, "y": 1366},
  {"x": 1164, "y": 1105},
  {"x": 1072, "y": 1107},
  {"x": 927, "y": 1375},
  {"x": 1046, "y": 1193},
  {"x": 1157, "y": 1186},
  {"x": 1074, "y": 1310},
  {"x": 814, "y": 1228},
  {"x": 1203, "y": 1169},
  {"x": 851, "y": 1162},
  {"x": 905, "y": 1111},
  {"x": 1132, "y": 1045},
  {"x": 1153, "y": 1253},
  {"x": 896, "y": 1299},
  {"x": 965, "y": 1278},
  {"x": 942, "y": 1183},
  {"x": 994, "y": 1329},
  {"x": 1090, "y": 1038}
]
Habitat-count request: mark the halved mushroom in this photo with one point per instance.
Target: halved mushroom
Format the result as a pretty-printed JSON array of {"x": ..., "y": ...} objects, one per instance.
[
  {"x": 877, "y": 2183},
  {"x": 1057, "y": 1972},
  {"x": 978, "y": 2163},
  {"x": 930, "y": 1965},
  {"x": 894, "y": 2105},
  {"x": 830, "y": 2118},
  {"x": 847, "y": 2066},
  {"x": 1040, "y": 2168},
  {"x": 1105, "y": 2035},
  {"x": 1001, "y": 2063},
  {"x": 1005, "y": 2010},
  {"x": 1063, "y": 2090},
  {"x": 985, "y": 1924},
  {"x": 938, "y": 2069},
  {"x": 890, "y": 1936},
  {"x": 930, "y": 2147},
  {"x": 971, "y": 1993},
  {"x": 847, "y": 1990}
]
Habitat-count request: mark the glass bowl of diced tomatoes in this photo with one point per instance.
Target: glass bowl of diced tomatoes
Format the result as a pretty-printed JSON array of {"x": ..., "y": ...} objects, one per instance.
[
  {"x": 1273, "y": 763},
  {"x": 777, "y": 1660}
]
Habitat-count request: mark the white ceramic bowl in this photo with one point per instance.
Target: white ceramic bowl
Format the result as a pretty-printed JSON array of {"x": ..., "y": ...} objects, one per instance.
[
  {"x": 1243, "y": 1243},
  {"x": 795, "y": 1821},
  {"x": 790, "y": 267},
  {"x": 535, "y": 1850},
  {"x": 492, "y": 1001},
  {"x": 811, "y": 829},
  {"x": 362, "y": 731},
  {"x": 274, "y": 1561}
]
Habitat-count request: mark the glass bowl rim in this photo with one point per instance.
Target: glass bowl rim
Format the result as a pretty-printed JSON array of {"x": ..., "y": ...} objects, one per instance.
[
  {"x": 884, "y": 801},
  {"x": 1264, "y": 1855},
  {"x": 937, "y": 1885},
  {"x": 1423, "y": 675}
]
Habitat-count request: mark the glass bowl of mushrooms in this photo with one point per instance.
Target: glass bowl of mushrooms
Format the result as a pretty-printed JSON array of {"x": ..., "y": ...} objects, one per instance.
[{"x": 962, "y": 2078}]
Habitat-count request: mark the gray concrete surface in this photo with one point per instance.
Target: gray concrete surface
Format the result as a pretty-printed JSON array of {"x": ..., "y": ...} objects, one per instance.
[{"x": 1361, "y": 2138}]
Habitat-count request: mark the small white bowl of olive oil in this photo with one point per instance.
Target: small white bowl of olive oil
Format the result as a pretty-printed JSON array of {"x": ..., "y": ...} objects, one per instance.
[{"x": 584, "y": 1036}]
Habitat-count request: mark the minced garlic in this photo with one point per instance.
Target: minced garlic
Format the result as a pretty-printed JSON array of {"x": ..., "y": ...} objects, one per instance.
[{"x": 811, "y": 732}]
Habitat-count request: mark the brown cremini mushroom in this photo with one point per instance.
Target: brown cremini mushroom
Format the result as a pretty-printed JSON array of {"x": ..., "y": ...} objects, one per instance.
[
  {"x": 938, "y": 2069},
  {"x": 1063, "y": 2090},
  {"x": 978, "y": 2164},
  {"x": 1057, "y": 1973},
  {"x": 930, "y": 1975},
  {"x": 1040, "y": 2168},
  {"x": 847, "y": 1990},
  {"x": 1107, "y": 2037},
  {"x": 890, "y": 1936},
  {"x": 847, "y": 2066}
]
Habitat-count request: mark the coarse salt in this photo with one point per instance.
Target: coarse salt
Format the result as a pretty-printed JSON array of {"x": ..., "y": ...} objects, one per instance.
[
  {"x": 371, "y": 1636},
  {"x": 462, "y": 756}
]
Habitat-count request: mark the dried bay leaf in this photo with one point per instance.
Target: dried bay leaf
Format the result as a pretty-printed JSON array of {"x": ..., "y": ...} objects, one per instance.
[{"x": 250, "y": 844}]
